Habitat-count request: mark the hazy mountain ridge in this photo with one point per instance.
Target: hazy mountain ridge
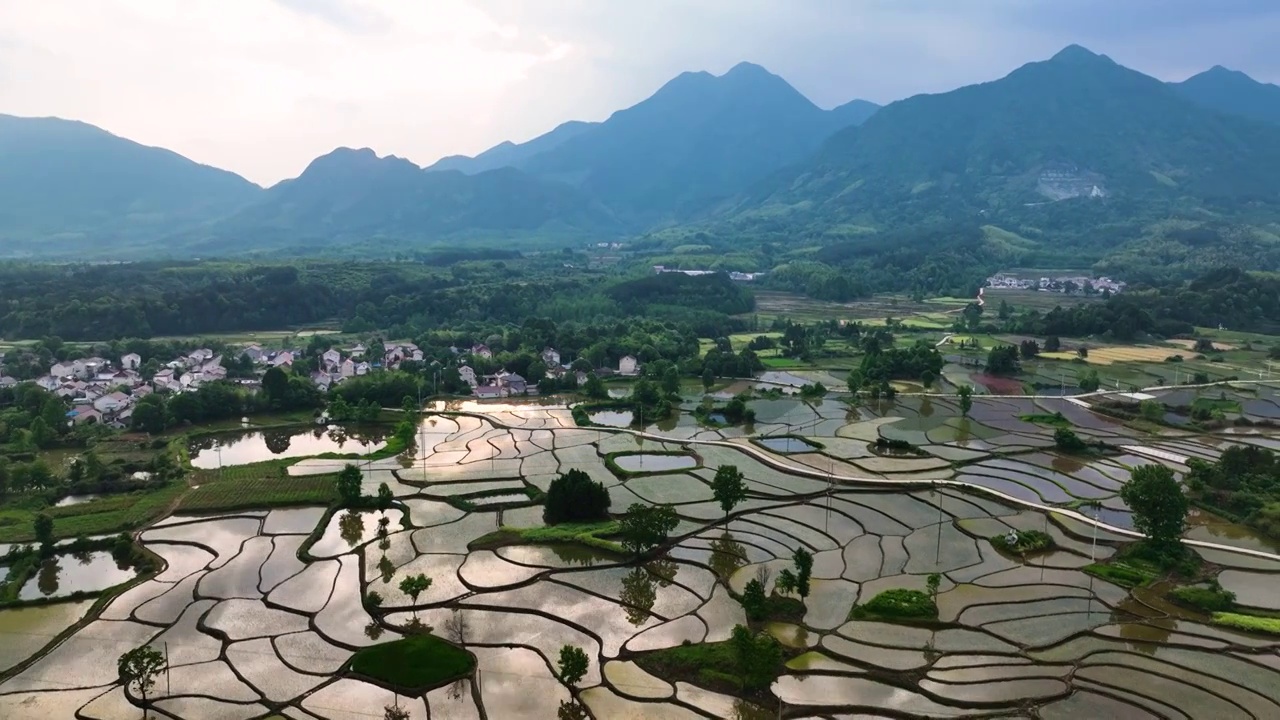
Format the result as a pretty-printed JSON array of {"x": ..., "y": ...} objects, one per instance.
[
  {"x": 1078, "y": 117},
  {"x": 1061, "y": 146}
]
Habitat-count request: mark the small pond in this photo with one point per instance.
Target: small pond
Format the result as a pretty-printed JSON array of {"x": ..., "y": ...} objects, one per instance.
[
  {"x": 786, "y": 444},
  {"x": 63, "y": 575},
  {"x": 75, "y": 500},
  {"x": 612, "y": 418},
  {"x": 244, "y": 448},
  {"x": 651, "y": 462}
]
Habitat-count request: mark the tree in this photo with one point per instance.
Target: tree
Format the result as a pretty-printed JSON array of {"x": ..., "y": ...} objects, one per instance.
[
  {"x": 1003, "y": 360},
  {"x": 575, "y": 497},
  {"x": 1052, "y": 344},
  {"x": 928, "y": 378},
  {"x": 394, "y": 712},
  {"x": 594, "y": 387},
  {"x": 728, "y": 487},
  {"x": 1082, "y": 351},
  {"x": 413, "y": 586},
  {"x": 966, "y": 399},
  {"x": 385, "y": 497},
  {"x": 1089, "y": 381},
  {"x": 573, "y": 664},
  {"x": 150, "y": 415},
  {"x": 1158, "y": 503},
  {"x": 803, "y": 560},
  {"x": 139, "y": 667},
  {"x": 409, "y": 406},
  {"x": 645, "y": 527},
  {"x": 754, "y": 601},
  {"x": 349, "y": 480},
  {"x": 44, "y": 530},
  {"x": 787, "y": 582},
  {"x": 709, "y": 378},
  {"x": 275, "y": 386},
  {"x": 758, "y": 657},
  {"x": 1067, "y": 441},
  {"x": 1151, "y": 410},
  {"x": 671, "y": 381},
  {"x": 931, "y": 583},
  {"x": 1029, "y": 349}
]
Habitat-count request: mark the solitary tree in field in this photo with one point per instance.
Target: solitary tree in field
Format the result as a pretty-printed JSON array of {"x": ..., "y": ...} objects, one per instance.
[
  {"x": 413, "y": 586},
  {"x": 385, "y": 497},
  {"x": 395, "y": 712},
  {"x": 44, "y": 530},
  {"x": 728, "y": 487},
  {"x": 349, "y": 485},
  {"x": 573, "y": 664},
  {"x": 645, "y": 527},
  {"x": 139, "y": 667},
  {"x": 966, "y": 399},
  {"x": 1158, "y": 503}
]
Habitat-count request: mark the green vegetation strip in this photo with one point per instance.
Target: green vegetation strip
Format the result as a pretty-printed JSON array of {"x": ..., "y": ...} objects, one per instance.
[
  {"x": 262, "y": 492},
  {"x": 413, "y": 664},
  {"x": 102, "y": 516},
  {"x": 1120, "y": 573},
  {"x": 1251, "y": 623}
]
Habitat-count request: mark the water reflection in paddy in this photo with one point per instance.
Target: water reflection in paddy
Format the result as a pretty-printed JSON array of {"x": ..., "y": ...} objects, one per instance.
[
  {"x": 612, "y": 418},
  {"x": 245, "y": 448},
  {"x": 63, "y": 575},
  {"x": 651, "y": 462}
]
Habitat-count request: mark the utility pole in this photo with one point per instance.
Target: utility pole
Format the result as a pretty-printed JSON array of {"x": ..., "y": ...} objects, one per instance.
[{"x": 937, "y": 554}]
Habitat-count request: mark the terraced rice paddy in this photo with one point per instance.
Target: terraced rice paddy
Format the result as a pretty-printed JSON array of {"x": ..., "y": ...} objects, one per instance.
[{"x": 261, "y": 610}]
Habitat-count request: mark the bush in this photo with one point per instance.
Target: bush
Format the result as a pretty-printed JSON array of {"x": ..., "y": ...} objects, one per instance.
[
  {"x": 575, "y": 497},
  {"x": 898, "y": 603},
  {"x": 1207, "y": 599},
  {"x": 1028, "y": 541}
]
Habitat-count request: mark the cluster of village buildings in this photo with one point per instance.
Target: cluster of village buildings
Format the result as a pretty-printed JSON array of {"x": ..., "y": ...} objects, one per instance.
[
  {"x": 101, "y": 391},
  {"x": 1055, "y": 284}
]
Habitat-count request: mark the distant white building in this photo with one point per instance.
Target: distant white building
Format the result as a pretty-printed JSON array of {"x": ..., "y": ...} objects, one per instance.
[
  {"x": 132, "y": 361},
  {"x": 550, "y": 356},
  {"x": 468, "y": 375},
  {"x": 628, "y": 366}
]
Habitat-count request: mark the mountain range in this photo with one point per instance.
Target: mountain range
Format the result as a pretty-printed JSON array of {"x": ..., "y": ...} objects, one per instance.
[{"x": 1070, "y": 141}]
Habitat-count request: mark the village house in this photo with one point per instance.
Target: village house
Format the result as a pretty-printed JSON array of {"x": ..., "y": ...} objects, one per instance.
[
  {"x": 282, "y": 359},
  {"x": 131, "y": 361},
  {"x": 61, "y": 370},
  {"x": 627, "y": 366},
  {"x": 330, "y": 359},
  {"x": 468, "y": 375},
  {"x": 551, "y": 357},
  {"x": 84, "y": 416},
  {"x": 486, "y": 391},
  {"x": 347, "y": 368},
  {"x": 254, "y": 353},
  {"x": 359, "y": 350},
  {"x": 7, "y": 381},
  {"x": 482, "y": 350},
  {"x": 110, "y": 404}
]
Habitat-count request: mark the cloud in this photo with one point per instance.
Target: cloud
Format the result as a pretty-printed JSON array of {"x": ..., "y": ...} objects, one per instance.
[{"x": 263, "y": 86}]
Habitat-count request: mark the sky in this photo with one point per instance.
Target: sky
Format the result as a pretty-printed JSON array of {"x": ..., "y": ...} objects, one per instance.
[{"x": 262, "y": 87}]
